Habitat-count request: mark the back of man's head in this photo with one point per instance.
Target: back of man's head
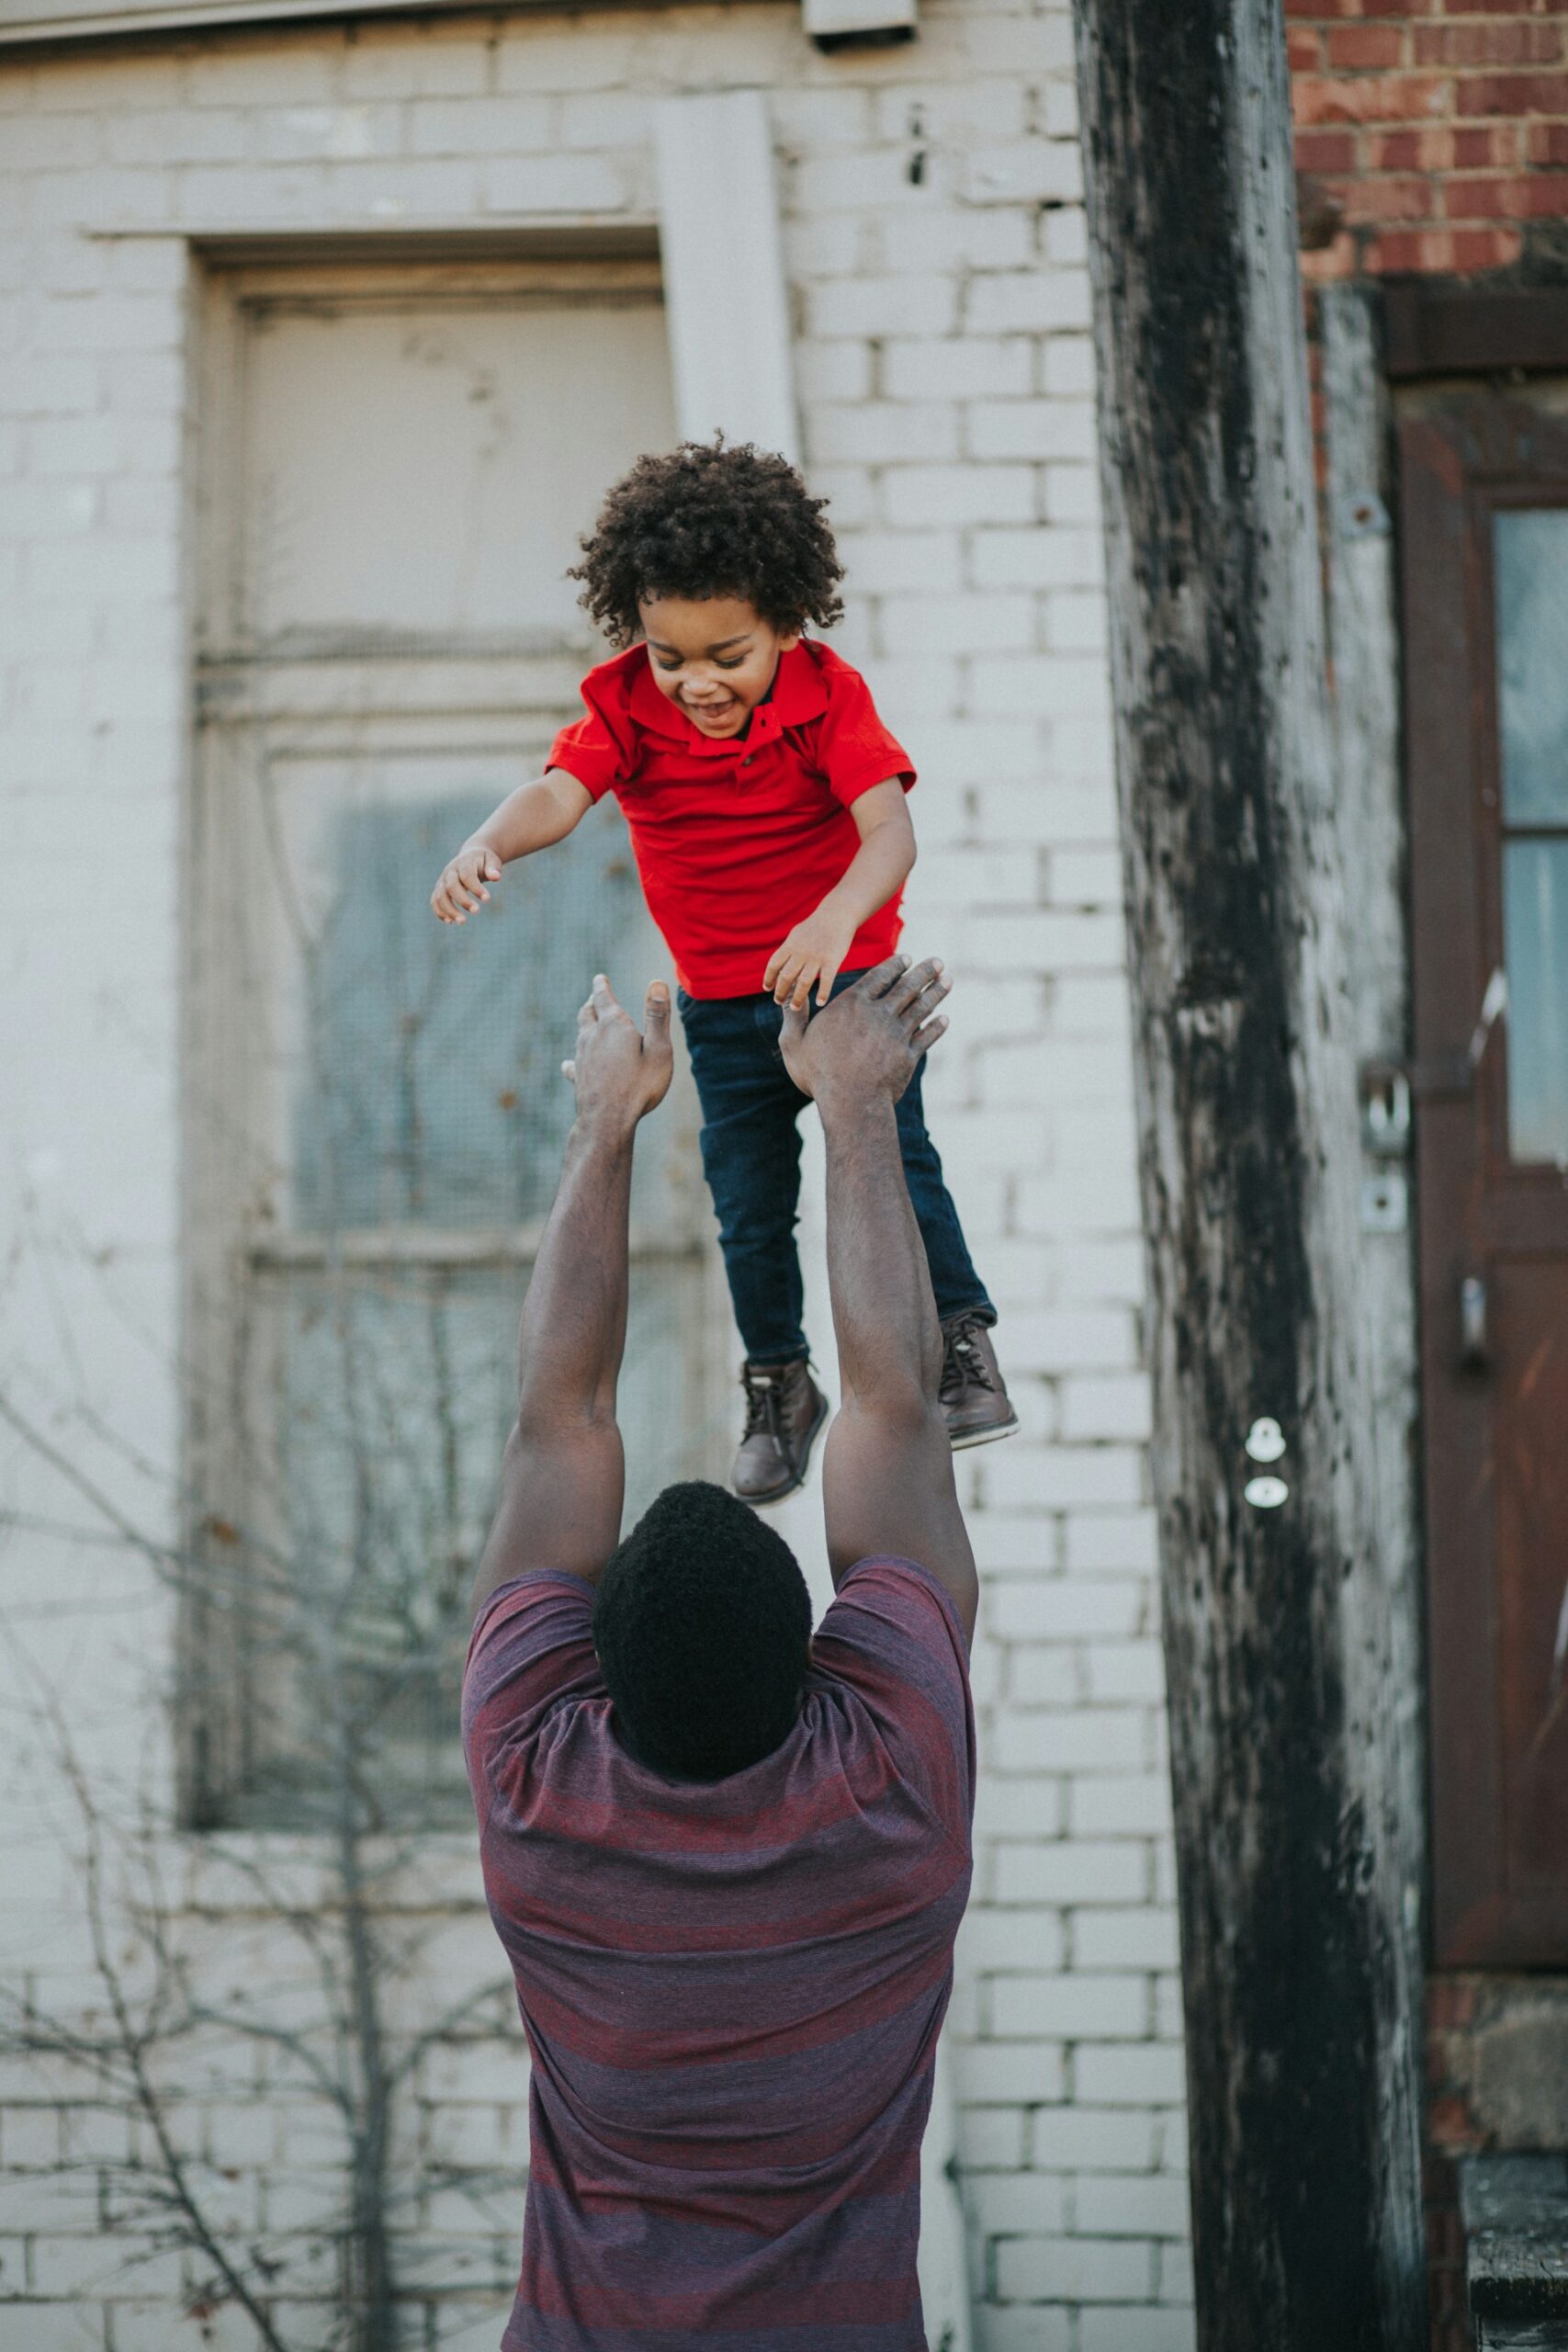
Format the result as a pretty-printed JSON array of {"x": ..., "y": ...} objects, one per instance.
[{"x": 703, "y": 1626}]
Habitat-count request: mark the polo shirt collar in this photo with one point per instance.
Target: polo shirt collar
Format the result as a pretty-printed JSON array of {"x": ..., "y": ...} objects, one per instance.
[{"x": 798, "y": 695}]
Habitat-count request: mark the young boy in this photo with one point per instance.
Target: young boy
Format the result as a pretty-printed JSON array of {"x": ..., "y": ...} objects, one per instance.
[{"x": 765, "y": 802}]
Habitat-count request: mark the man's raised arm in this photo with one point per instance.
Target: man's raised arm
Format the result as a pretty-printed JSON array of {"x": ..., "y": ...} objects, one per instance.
[
  {"x": 887, "y": 1468},
  {"x": 563, "y": 1473}
]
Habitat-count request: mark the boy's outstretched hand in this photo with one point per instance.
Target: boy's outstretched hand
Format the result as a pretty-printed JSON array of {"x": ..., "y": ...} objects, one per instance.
[
  {"x": 462, "y": 884},
  {"x": 810, "y": 956},
  {"x": 620, "y": 1075},
  {"x": 870, "y": 1040}
]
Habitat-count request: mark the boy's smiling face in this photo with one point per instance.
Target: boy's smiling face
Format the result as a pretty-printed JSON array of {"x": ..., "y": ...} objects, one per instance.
[{"x": 715, "y": 656}]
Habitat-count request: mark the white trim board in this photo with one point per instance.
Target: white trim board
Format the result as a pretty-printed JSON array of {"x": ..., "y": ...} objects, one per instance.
[{"x": 724, "y": 283}]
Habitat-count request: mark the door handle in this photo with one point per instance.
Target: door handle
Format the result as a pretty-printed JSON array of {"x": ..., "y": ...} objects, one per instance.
[{"x": 1473, "y": 1323}]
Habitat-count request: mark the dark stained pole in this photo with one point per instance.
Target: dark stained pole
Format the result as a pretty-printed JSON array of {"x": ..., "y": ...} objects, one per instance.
[{"x": 1298, "y": 1857}]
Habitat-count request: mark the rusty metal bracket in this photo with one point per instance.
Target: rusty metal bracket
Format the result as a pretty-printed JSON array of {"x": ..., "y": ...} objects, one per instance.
[{"x": 1387, "y": 1089}]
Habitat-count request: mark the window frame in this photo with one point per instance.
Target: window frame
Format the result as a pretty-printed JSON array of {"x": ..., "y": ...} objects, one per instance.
[{"x": 234, "y": 688}]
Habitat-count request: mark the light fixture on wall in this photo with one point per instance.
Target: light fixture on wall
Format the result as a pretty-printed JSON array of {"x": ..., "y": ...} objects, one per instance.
[{"x": 845, "y": 24}]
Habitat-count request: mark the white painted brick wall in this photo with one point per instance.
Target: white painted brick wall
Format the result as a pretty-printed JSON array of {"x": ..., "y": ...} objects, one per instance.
[{"x": 935, "y": 245}]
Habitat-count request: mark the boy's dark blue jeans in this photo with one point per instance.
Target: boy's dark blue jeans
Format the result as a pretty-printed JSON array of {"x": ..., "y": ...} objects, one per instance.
[{"x": 750, "y": 1142}]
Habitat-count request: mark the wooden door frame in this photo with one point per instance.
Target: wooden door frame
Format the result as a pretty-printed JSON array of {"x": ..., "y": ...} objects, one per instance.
[
  {"x": 1440, "y": 326},
  {"x": 1435, "y": 330}
]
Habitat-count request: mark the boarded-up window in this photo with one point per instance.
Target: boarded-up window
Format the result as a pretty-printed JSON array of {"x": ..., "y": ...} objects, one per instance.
[{"x": 396, "y": 475}]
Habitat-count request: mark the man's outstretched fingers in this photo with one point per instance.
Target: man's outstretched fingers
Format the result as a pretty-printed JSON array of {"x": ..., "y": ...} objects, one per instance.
[
  {"x": 885, "y": 977},
  {"x": 916, "y": 981},
  {"x": 655, "y": 1012},
  {"x": 916, "y": 1008}
]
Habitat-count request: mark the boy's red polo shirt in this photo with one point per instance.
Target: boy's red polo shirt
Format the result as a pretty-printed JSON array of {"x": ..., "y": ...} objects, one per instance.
[{"x": 737, "y": 840}]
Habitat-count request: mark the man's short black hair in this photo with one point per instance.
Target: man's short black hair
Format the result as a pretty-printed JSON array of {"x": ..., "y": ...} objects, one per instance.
[
  {"x": 710, "y": 520},
  {"x": 703, "y": 1626}
]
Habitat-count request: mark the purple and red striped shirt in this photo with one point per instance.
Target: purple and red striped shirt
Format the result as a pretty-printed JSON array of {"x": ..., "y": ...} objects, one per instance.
[{"x": 731, "y": 1990}]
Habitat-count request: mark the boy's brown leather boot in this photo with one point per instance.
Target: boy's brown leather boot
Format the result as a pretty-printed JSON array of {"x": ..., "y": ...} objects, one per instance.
[
  {"x": 784, "y": 1410},
  {"x": 974, "y": 1397}
]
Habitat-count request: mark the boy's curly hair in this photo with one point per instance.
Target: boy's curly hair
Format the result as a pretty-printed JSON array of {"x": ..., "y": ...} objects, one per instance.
[{"x": 710, "y": 520}]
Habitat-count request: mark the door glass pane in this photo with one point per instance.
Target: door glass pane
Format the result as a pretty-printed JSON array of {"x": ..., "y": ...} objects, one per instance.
[
  {"x": 1531, "y": 570},
  {"x": 1531, "y": 551},
  {"x": 1535, "y": 914}
]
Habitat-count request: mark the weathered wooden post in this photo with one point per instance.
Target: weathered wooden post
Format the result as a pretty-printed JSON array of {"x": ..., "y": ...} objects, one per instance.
[{"x": 1297, "y": 1852}]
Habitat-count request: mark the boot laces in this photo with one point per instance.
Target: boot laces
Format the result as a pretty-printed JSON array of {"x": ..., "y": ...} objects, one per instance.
[
  {"x": 964, "y": 1363},
  {"x": 764, "y": 1387}
]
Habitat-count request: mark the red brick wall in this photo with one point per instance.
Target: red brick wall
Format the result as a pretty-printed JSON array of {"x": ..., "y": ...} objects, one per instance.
[
  {"x": 1432, "y": 138},
  {"x": 1434, "y": 134}
]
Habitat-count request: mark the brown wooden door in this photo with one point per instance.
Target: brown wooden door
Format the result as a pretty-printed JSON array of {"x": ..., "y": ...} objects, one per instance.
[{"x": 1484, "y": 497}]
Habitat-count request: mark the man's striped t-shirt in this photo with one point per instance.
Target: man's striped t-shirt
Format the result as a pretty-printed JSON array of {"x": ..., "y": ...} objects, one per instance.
[{"x": 731, "y": 1990}]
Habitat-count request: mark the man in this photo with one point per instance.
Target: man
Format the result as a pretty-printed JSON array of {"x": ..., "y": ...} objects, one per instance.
[{"x": 728, "y": 1862}]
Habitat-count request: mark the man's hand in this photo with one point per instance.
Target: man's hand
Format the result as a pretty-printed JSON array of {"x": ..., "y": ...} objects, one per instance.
[
  {"x": 887, "y": 1467},
  {"x": 813, "y": 953},
  {"x": 462, "y": 884},
  {"x": 619, "y": 1075},
  {"x": 563, "y": 1473},
  {"x": 869, "y": 1040}
]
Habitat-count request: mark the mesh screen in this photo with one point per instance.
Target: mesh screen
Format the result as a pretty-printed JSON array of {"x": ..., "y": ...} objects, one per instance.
[{"x": 431, "y": 1090}]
